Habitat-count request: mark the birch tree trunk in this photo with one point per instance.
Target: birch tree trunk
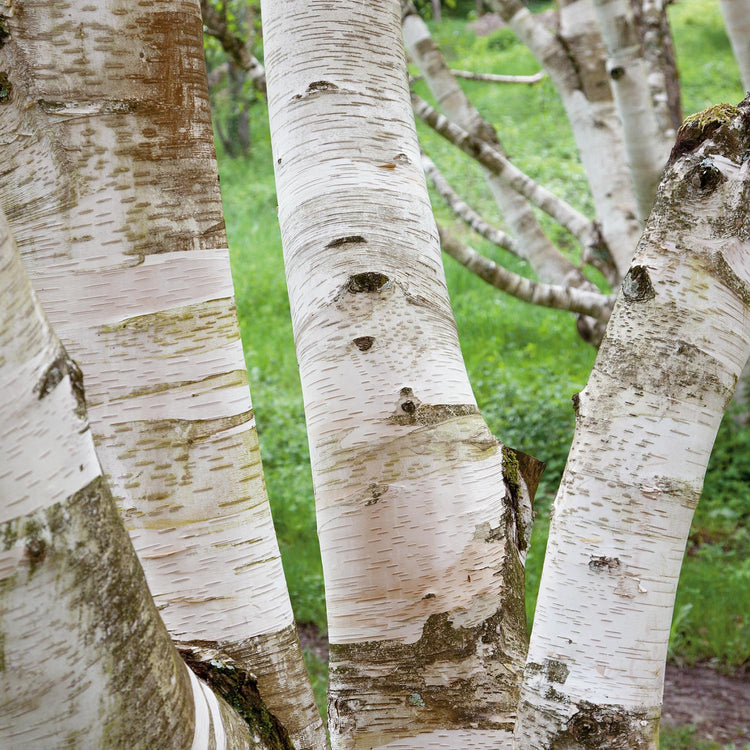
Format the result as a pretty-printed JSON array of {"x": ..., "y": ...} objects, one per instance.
[
  {"x": 646, "y": 421},
  {"x": 85, "y": 661},
  {"x": 420, "y": 509},
  {"x": 737, "y": 21},
  {"x": 110, "y": 185},
  {"x": 646, "y": 145},
  {"x": 572, "y": 60}
]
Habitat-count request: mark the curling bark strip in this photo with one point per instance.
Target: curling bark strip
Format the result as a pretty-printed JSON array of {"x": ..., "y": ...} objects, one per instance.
[
  {"x": 677, "y": 341},
  {"x": 421, "y": 539},
  {"x": 112, "y": 191}
]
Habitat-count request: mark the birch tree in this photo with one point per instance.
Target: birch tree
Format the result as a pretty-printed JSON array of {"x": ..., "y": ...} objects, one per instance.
[
  {"x": 737, "y": 20},
  {"x": 420, "y": 509},
  {"x": 112, "y": 192},
  {"x": 423, "y": 515},
  {"x": 675, "y": 346}
]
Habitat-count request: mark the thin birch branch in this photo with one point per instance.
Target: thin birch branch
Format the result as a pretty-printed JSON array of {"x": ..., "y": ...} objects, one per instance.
[
  {"x": 499, "y": 77},
  {"x": 562, "y": 212},
  {"x": 581, "y": 301},
  {"x": 466, "y": 213}
]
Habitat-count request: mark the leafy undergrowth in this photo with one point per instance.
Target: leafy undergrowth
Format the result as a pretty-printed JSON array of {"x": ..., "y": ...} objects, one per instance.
[{"x": 525, "y": 363}]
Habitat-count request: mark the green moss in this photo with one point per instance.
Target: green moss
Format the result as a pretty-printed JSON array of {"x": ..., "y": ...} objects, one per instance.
[
  {"x": 511, "y": 470},
  {"x": 10, "y": 534},
  {"x": 700, "y": 126},
  {"x": 5, "y": 88},
  {"x": 714, "y": 115}
]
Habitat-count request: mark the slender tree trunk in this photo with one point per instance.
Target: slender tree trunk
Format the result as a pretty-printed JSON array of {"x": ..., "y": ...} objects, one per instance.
[
  {"x": 659, "y": 57},
  {"x": 574, "y": 66},
  {"x": 646, "y": 145},
  {"x": 111, "y": 187},
  {"x": 646, "y": 422},
  {"x": 737, "y": 21},
  {"x": 421, "y": 537},
  {"x": 547, "y": 261},
  {"x": 85, "y": 661}
]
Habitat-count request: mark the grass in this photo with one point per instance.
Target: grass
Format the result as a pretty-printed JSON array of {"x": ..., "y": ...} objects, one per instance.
[
  {"x": 685, "y": 738},
  {"x": 525, "y": 363}
]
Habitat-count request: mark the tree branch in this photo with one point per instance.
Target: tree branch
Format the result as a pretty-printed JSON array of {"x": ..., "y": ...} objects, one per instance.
[
  {"x": 499, "y": 78},
  {"x": 567, "y": 216},
  {"x": 579, "y": 301},
  {"x": 466, "y": 213},
  {"x": 236, "y": 48}
]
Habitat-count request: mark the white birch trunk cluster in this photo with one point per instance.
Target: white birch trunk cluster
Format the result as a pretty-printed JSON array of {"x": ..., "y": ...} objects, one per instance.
[
  {"x": 677, "y": 341},
  {"x": 425, "y": 626},
  {"x": 588, "y": 103},
  {"x": 646, "y": 144},
  {"x": 549, "y": 263},
  {"x": 112, "y": 191},
  {"x": 85, "y": 659}
]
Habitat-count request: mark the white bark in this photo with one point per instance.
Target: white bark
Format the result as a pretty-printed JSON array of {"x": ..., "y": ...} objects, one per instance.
[
  {"x": 112, "y": 190},
  {"x": 418, "y": 532},
  {"x": 85, "y": 659},
  {"x": 737, "y": 21},
  {"x": 591, "y": 112},
  {"x": 659, "y": 57},
  {"x": 676, "y": 343},
  {"x": 646, "y": 145},
  {"x": 490, "y": 158},
  {"x": 499, "y": 77}
]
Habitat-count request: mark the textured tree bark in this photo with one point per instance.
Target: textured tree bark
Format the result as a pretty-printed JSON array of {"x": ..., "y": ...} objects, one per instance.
[
  {"x": 111, "y": 187},
  {"x": 676, "y": 343},
  {"x": 646, "y": 144},
  {"x": 421, "y": 536},
  {"x": 85, "y": 659},
  {"x": 737, "y": 21},
  {"x": 574, "y": 64}
]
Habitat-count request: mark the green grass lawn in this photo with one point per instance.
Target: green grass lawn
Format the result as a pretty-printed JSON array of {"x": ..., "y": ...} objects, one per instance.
[{"x": 525, "y": 363}]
